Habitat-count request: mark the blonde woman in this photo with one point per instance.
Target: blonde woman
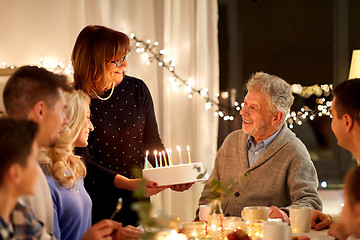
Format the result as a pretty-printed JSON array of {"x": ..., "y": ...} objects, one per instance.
[{"x": 65, "y": 173}]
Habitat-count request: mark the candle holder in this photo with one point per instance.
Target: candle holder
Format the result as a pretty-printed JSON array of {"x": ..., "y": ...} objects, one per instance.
[
  {"x": 194, "y": 230},
  {"x": 216, "y": 220},
  {"x": 254, "y": 228},
  {"x": 161, "y": 226},
  {"x": 231, "y": 224}
]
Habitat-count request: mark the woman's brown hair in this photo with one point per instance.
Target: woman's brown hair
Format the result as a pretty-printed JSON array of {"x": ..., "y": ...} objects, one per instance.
[{"x": 94, "y": 46}]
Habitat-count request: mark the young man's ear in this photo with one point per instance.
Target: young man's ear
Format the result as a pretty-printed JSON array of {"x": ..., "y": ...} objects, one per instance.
[
  {"x": 14, "y": 173},
  {"x": 38, "y": 110},
  {"x": 348, "y": 121}
]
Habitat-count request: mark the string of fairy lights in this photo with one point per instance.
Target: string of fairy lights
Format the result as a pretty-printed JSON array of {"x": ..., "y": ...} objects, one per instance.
[{"x": 151, "y": 53}]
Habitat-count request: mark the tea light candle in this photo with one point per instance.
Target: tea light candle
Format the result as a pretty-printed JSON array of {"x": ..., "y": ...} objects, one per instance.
[
  {"x": 194, "y": 229},
  {"x": 179, "y": 149},
  {"x": 169, "y": 156},
  {"x": 163, "y": 153},
  {"x": 160, "y": 159},
  {"x": 156, "y": 161},
  {"x": 188, "y": 150},
  {"x": 255, "y": 228},
  {"x": 146, "y": 159}
]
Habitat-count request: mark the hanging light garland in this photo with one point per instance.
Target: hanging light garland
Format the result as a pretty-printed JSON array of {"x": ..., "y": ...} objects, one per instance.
[
  {"x": 323, "y": 109},
  {"x": 323, "y": 105},
  {"x": 147, "y": 49},
  {"x": 150, "y": 54},
  {"x": 58, "y": 68}
]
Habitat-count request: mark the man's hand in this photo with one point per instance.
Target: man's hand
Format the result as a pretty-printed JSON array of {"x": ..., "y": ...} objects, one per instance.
[
  {"x": 275, "y": 212},
  {"x": 181, "y": 187},
  {"x": 127, "y": 233},
  {"x": 102, "y": 230},
  {"x": 320, "y": 220},
  {"x": 337, "y": 230}
]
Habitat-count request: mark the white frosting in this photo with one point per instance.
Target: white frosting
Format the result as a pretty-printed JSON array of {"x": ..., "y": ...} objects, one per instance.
[{"x": 176, "y": 174}]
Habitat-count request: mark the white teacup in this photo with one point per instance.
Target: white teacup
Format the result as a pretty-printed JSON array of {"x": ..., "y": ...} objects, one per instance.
[
  {"x": 275, "y": 231},
  {"x": 204, "y": 212},
  {"x": 300, "y": 219},
  {"x": 254, "y": 213}
]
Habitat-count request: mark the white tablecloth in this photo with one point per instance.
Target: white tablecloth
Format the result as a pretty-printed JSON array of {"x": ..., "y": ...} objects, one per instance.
[{"x": 317, "y": 235}]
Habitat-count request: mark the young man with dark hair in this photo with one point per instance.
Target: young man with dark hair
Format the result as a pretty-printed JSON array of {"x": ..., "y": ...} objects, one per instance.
[
  {"x": 19, "y": 171},
  {"x": 346, "y": 127},
  {"x": 36, "y": 94}
]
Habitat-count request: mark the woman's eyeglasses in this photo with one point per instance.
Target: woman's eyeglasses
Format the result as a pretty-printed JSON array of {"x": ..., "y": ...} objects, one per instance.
[{"x": 121, "y": 60}]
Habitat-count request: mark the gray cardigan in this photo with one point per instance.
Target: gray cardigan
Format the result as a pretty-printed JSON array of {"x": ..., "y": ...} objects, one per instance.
[{"x": 283, "y": 176}]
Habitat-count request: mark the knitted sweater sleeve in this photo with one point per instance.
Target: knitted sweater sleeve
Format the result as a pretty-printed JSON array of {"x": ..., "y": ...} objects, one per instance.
[
  {"x": 302, "y": 179},
  {"x": 152, "y": 140}
]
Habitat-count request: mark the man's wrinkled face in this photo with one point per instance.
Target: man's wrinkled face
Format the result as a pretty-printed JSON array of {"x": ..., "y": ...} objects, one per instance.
[{"x": 257, "y": 116}]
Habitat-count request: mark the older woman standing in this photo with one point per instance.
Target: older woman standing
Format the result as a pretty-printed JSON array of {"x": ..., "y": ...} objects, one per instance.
[{"x": 124, "y": 119}]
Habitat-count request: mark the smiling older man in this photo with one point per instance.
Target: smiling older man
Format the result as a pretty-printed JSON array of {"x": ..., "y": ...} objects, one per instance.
[{"x": 270, "y": 165}]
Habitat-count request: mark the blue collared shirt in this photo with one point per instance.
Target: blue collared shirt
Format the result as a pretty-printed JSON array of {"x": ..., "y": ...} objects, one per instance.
[{"x": 256, "y": 149}]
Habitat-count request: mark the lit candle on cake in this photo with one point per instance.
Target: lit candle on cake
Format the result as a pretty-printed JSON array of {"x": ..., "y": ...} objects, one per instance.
[
  {"x": 160, "y": 159},
  {"x": 179, "y": 149},
  {"x": 169, "y": 156},
  {"x": 146, "y": 159},
  {"x": 188, "y": 150},
  {"x": 163, "y": 153},
  {"x": 156, "y": 161}
]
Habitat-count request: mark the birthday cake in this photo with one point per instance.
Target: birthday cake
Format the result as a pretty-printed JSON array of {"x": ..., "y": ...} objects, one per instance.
[{"x": 175, "y": 174}]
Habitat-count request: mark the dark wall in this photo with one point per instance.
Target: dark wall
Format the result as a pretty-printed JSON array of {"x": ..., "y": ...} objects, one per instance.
[
  {"x": 354, "y": 24},
  {"x": 302, "y": 41},
  {"x": 292, "y": 39}
]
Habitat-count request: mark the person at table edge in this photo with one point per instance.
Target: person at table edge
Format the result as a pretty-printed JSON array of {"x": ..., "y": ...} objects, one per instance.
[{"x": 345, "y": 124}]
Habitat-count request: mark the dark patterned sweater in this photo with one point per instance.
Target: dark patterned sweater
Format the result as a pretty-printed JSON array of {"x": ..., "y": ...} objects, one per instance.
[{"x": 125, "y": 127}]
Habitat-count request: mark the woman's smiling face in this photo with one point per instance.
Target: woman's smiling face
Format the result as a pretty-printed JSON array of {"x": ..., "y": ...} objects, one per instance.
[
  {"x": 82, "y": 139},
  {"x": 115, "y": 72}
]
